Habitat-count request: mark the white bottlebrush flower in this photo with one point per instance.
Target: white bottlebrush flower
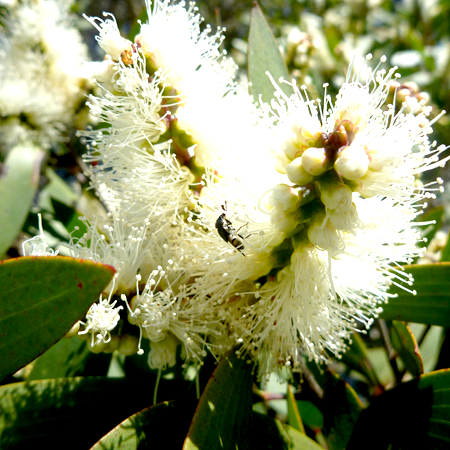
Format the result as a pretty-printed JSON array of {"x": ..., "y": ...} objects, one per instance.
[
  {"x": 41, "y": 59},
  {"x": 314, "y": 259},
  {"x": 284, "y": 238}
]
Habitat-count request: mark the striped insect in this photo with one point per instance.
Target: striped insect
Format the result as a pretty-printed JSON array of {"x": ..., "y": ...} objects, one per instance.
[{"x": 227, "y": 232}]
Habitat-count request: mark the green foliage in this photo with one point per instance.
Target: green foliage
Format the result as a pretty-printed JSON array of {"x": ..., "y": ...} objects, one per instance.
[
  {"x": 71, "y": 413},
  {"x": 430, "y": 304},
  {"x": 411, "y": 415},
  {"x": 42, "y": 298},
  {"x": 406, "y": 346},
  {"x": 18, "y": 186},
  {"x": 294, "y": 419},
  {"x": 141, "y": 428},
  {"x": 341, "y": 411},
  {"x": 223, "y": 414},
  {"x": 264, "y": 55}
]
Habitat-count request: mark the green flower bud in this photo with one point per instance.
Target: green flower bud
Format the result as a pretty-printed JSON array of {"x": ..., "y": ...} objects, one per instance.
[
  {"x": 314, "y": 161},
  {"x": 297, "y": 174},
  {"x": 352, "y": 162}
]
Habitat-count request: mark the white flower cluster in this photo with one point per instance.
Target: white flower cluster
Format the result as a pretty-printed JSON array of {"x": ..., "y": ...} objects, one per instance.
[
  {"x": 277, "y": 228},
  {"x": 41, "y": 59}
]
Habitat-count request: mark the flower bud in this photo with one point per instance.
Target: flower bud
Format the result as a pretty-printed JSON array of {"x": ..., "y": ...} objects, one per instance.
[
  {"x": 367, "y": 182},
  {"x": 345, "y": 221},
  {"x": 291, "y": 148},
  {"x": 74, "y": 330},
  {"x": 128, "y": 345},
  {"x": 97, "y": 348},
  {"x": 376, "y": 159},
  {"x": 314, "y": 161},
  {"x": 284, "y": 198},
  {"x": 337, "y": 197},
  {"x": 352, "y": 162},
  {"x": 308, "y": 130},
  {"x": 297, "y": 174},
  {"x": 283, "y": 221},
  {"x": 325, "y": 237},
  {"x": 112, "y": 345},
  {"x": 163, "y": 353}
]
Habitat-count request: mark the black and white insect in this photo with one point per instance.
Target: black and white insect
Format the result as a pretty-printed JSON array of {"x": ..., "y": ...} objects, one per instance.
[{"x": 227, "y": 232}]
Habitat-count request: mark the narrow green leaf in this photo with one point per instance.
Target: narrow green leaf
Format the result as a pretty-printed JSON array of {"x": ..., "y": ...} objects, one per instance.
[
  {"x": 411, "y": 415},
  {"x": 294, "y": 418},
  {"x": 379, "y": 360},
  {"x": 148, "y": 428},
  {"x": 263, "y": 56},
  {"x": 405, "y": 345},
  {"x": 268, "y": 433},
  {"x": 224, "y": 411},
  {"x": 68, "y": 413},
  {"x": 341, "y": 411},
  {"x": 56, "y": 189},
  {"x": 431, "y": 305},
  {"x": 40, "y": 300},
  {"x": 311, "y": 415},
  {"x": 18, "y": 185},
  {"x": 356, "y": 357}
]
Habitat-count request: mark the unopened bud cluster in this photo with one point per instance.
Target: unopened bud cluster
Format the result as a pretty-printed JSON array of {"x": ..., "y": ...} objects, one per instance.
[{"x": 325, "y": 171}]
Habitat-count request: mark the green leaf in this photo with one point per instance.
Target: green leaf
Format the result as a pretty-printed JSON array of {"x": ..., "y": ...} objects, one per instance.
[
  {"x": 431, "y": 305},
  {"x": 406, "y": 346},
  {"x": 69, "y": 217},
  {"x": 40, "y": 300},
  {"x": 69, "y": 358},
  {"x": 341, "y": 411},
  {"x": 143, "y": 430},
  {"x": 267, "y": 433},
  {"x": 18, "y": 185},
  {"x": 311, "y": 415},
  {"x": 60, "y": 361},
  {"x": 379, "y": 360},
  {"x": 445, "y": 256},
  {"x": 67, "y": 412},
  {"x": 224, "y": 411},
  {"x": 356, "y": 358},
  {"x": 264, "y": 55},
  {"x": 294, "y": 418},
  {"x": 411, "y": 415},
  {"x": 147, "y": 428},
  {"x": 56, "y": 189}
]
